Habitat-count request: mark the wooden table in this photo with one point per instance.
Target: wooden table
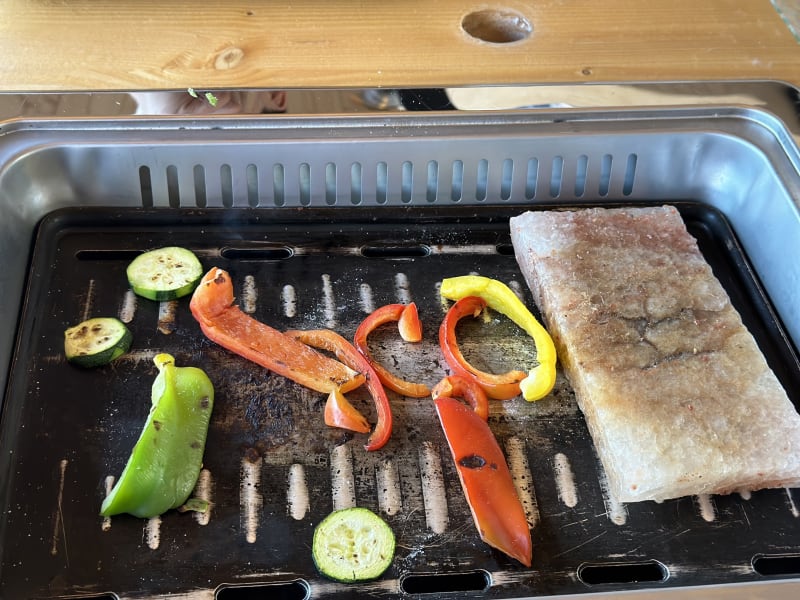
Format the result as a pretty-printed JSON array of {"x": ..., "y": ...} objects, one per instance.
[{"x": 105, "y": 45}]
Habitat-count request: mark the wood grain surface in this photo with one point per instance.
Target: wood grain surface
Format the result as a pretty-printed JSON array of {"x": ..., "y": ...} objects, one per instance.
[{"x": 50, "y": 45}]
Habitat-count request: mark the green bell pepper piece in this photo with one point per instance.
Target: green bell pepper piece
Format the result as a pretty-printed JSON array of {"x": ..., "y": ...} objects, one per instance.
[{"x": 166, "y": 460}]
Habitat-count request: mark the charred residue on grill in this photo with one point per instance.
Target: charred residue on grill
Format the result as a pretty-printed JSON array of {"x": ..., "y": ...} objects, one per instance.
[
  {"x": 266, "y": 411},
  {"x": 492, "y": 342},
  {"x": 252, "y": 455},
  {"x": 256, "y": 404},
  {"x": 412, "y": 361},
  {"x": 269, "y": 407}
]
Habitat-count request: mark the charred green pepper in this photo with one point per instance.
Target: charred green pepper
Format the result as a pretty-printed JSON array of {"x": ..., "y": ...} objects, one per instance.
[{"x": 166, "y": 460}]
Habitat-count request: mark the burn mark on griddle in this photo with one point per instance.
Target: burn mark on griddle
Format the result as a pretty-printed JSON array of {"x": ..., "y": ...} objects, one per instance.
[
  {"x": 254, "y": 406},
  {"x": 167, "y": 323},
  {"x": 271, "y": 413},
  {"x": 251, "y": 455},
  {"x": 339, "y": 437}
]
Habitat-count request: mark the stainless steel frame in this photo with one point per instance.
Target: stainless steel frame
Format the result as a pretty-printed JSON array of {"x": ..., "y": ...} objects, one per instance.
[{"x": 741, "y": 160}]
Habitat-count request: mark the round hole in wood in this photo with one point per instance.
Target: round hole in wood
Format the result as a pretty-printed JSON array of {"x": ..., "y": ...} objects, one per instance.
[{"x": 497, "y": 25}]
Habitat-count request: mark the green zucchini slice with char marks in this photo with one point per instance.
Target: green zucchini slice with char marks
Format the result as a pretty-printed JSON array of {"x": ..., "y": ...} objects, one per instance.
[
  {"x": 97, "y": 341},
  {"x": 353, "y": 544},
  {"x": 164, "y": 273}
]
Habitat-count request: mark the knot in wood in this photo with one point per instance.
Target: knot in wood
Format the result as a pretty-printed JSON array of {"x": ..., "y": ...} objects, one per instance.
[{"x": 228, "y": 58}]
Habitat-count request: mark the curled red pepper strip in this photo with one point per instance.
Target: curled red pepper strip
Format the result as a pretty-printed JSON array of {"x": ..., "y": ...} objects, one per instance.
[
  {"x": 486, "y": 480},
  {"x": 340, "y": 413},
  {"x": 500, "y": 387},
  {"x": 225, "y": 324},
  {"x": 455, "y": 386},
  {"x": 410, "y": 329},
  {"x": 409, "y": 325},
  {"x": 327, "y": 339}
]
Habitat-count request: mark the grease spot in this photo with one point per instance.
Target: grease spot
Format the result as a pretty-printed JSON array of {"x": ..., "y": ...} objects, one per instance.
[
  {"x": 565, "y": 480},
  {"x": 250, "y": 497},
  {"x": 434, "y": 495},
  {"x": 202, "y": 491},
  {"x": 297, "y": 495}
]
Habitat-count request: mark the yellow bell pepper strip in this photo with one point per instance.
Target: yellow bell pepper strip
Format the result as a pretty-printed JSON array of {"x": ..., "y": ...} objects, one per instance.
[
  {"x": 224, "y": 323},
  {"x": 497, "y": 386},
  {"x": 340, "y": 413},
  {"x": 165, "y": 462},
  {"x": 500, "y": 297},
  {"x": 410, "y": 328},
  {"x": 454, "y": 386},
  {"x": 327, "y": 339},
  {"x": 486, "y": 480}
]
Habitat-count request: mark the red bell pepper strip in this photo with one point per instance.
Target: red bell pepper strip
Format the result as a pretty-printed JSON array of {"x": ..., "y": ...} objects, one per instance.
[
  {"x": 224, "y": 323},
  {"x": 327, "y": 339},
  {"x": 455, "y": 386},
  {"x": 410, "y": 329},
  {"x": 409, "y": 324},
  {"x": 340, "y": 413},
  {"x": 499, "y": 387},
  {"x": 486, "y": 480}
]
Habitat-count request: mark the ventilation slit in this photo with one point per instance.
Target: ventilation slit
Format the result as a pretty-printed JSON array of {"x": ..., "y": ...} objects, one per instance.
[
  {"x": 432, "y": 188},
  {"x": 356, "y": 196},
  {"x": 438, "y": 583},
  {"x": 507, "y": 178},
  {"x": 382, "y": 183},
  {"x": 146, "y": 186},
  {"x": 173, "y": 190},
  {"x": 200, "y": 196},
  {"x": 226, "y": 185},
  {"x": 407, "y": 182},
  {"x": 261, "y": 253},
  {"x": 304, "y": 181},
  {"x": 776, "y": 564},
  {"x": 630, "y": 175},
  {"x": 482, "y": 180},
  {"x": 330, "y": 184},
  {"x": 98, "y": 255},
  {"x": 580, "y": 175},
  {"x": 281, "y": 590},
  {"x": 251, "y": 176},
  {"x": 457, "y": 186},
  {"x": 531, "y": 179},
  {"x": 605, "y": 174},
  {"x": 96, "y": 597},
  {"x": 556, "y": 176},
  {"x": 395, "y": 251},
  {"x": 636, "y": 572},
  {"x": 279, "y": 184}
]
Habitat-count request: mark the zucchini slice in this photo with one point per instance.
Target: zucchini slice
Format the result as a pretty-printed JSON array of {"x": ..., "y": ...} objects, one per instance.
[
  {"x": 165, "y": 273},
  {"x": 96, "y": 342},
  {"x": 353, "y": 544}
]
